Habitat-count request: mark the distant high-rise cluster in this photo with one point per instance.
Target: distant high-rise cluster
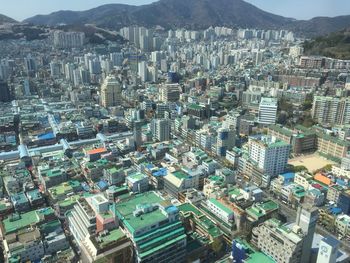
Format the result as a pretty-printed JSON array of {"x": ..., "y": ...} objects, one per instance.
[
  {"x": 147, "y": 145},
  {"x": 63, "y": 39}
]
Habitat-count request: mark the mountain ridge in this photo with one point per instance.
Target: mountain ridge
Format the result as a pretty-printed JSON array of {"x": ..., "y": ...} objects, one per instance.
[
  {"x": 5, "y": 19},
  {"x": 191, "y": 14}
]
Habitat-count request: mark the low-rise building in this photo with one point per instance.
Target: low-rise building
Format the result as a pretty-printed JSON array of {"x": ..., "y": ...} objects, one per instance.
[
  {"x": 342, "y": 225},
  {"x": 278, "y": 241},
  {"x": 137, "y": 182}
]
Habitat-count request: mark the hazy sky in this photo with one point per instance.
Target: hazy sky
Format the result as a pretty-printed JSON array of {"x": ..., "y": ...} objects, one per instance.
[{"x": 300, "y": 9}]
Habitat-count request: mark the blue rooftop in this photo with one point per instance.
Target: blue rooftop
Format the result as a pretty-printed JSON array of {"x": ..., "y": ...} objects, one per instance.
[
  {"x": 85, "y": 187},
  {"x": 160, "y": 172},
  {"x": 335, "y": 210},
  {"x": 288, "y": 176},
  {"x": 331, "y": 241},
  {"x": 149, "y": 166},
  {"x": 46, "y": 136},
  {"x": 341, "y": 182},
  {"x": 171, "y": 209},
  {"x": 102, "y": 185}
]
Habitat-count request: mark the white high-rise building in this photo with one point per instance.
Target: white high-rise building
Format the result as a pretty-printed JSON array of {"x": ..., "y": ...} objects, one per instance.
[
  {"x": 267, "y": 111},
  {"x": 111, "y": 92},
  {"x": 68, "y": 39},
  {"x": 142, "y": 71},
  {"x": 152, "y": 73},
  {"x": 331, "y": 110},
  {"x": 68, "y": 71},
  {"x": 270, "y": 154},
  {"x": 156, "y": 56},
  {"x": 307, "y": 219},
  {"x": 161, "y": 129},
  {"x": 55, "y": 69}
]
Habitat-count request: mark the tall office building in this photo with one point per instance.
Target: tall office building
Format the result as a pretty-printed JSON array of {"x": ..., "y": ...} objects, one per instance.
[
  {"x": 5, "y": 92},
  {"x": 331, "y": 110},
  {"x": 138, "y": 133},
  {"x": 267, "y": 111},
  {"x": 111, "y": 92},
  {"x": 169, "y": 93},
  {"x": 328, "y": 250},
  {"x": 226, "y": 140},
  {"x": 270, "y": 154},
  {"x": 161, "y": 129},
  {"x": 307, "y": 219}
]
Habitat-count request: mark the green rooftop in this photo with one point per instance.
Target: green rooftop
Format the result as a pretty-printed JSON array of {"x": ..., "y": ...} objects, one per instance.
[
  {"x": 260, "y": 209},
  {"x": 281, "y": 129},
  {"x": 112, "y": 236},
  {"x": 194, "y": 106},
  {"x": 259, "y": 257},
  {"x": 187, "y": 207},
  {"x": 201, "y": 219},
  {"x": 126, "y": 208},
  {"x": 19, "y": 221},
  {"x": 54, "y": 172},
  {"x": 180, "y": 175},
  {"x": 69, "y": 201},
  {"x": 221, "y": 206}
]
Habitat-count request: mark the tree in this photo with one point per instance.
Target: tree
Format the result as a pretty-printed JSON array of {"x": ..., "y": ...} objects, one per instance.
[{"x": 298, "y": 168}]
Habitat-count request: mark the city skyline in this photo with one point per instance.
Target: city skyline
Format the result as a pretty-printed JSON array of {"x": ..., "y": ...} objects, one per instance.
[
  {"x": 179, "y": 131},
  {"x": 312, "y": 8}
]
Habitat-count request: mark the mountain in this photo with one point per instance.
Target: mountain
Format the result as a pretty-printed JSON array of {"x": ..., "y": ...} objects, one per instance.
[
  {"x": 169, "y": 13},
  {"x": 193, "y": 14},
  {"x": 335, "y": 45},
  {"x": 321, "y": 25},
  {"x": 5, "y": 19}
]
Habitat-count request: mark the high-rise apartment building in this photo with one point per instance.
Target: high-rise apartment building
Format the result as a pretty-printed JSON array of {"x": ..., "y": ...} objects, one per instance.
[
  {"x": 68, "y": 39},
  {"x": 267, "y": 111},
  {"x": 111, "y": 92},
  {"x": 142, "y": 71},
  {"x": 161, "y": 129},
  {"x": 331, "y": 110},
  {"x": 169, "y": 93},
  {"x": 270, "y": 154}
]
